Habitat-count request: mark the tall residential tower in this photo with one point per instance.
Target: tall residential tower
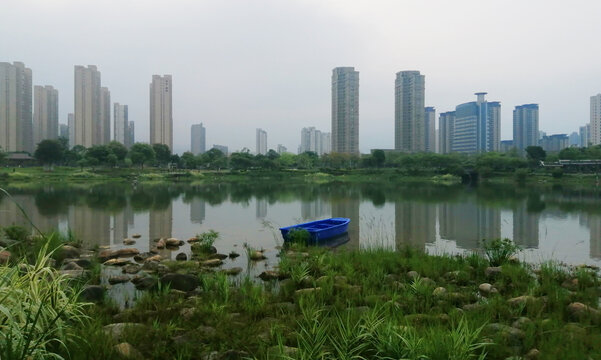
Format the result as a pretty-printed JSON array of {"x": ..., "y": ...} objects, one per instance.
[
  {"x": 261, "y": 142},
  {"x": 45, "y": 113},
  {"x": 409, "y": 112},
  {"x": 595, "y": 132},
  {"x": 525, "y": 126},
  {"x": 86, "y": 120},
  {"x": 477, "y": 126},
  {"x": 446, "y": 131},
  {"x": 198, "y": 139},
  {"x": 15, "y": 107},
  {"x": 121, "y": 124},
  {"x": 161, "y": 110},
  {"x": 345, "y": 110}
]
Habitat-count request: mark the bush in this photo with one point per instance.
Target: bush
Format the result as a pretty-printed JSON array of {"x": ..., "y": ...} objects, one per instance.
[
  {"x": 299, "y": 236},
  {"x": 520, "y": 175},
  {"x": 557, "y": 173},
  {"x": 15, "y": 232},
  {"x": 499, "y": 251},
  {"x": 205, "y": 241}
]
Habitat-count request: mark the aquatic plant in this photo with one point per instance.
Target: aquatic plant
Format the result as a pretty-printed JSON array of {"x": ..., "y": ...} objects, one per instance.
[{"x": 499, "y": 251}]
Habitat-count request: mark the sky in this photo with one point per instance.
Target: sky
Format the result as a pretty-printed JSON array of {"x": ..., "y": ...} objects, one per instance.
[{"x": 238, "y": 65}]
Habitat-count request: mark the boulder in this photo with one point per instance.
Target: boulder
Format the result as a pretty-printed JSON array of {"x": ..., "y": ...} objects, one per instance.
[
  {"x": 117, "y": 262},
  {"x": 84, "y": 263},
  {"x": 161, "y": 243},
  {"x": 129, "y": 241},
  {"x": 74, "y": 274},
  {"x": 131, "y": 269},
  {"x": 182, "y": 282},
  {"x": 218, "y": 256},
  {"x": 181, "y": 257},
  {"x": 582, "y": 312},
  {"x": 212, "y": 263},
  {"x": 116, "y": 330},
  {"x": 515, "y": 336},
  {"x": 156, "y": 258},
  {"x": 570, "y": 284},
  {"x": 68, "y": 251},
  {"x": 233, "y": 255},
  {"x": 145, "y": 282},
  {"x": 233, "y": 271},
  {"x": 4, "y": 256},
  {"x": 257, "y": 255},
  {"x": 439, "y": 292},
  {"x": 127, "y": 351},
  {"x": 172, "y": 242},
  {"x": 71, "y": 266},
  {"x": 112, "y": 254},
  {"x": 533, "y": 354},
  {"x": 521, "y": 300},
  {"x": 118, "y": 279},
  {"x": 493, "y": 271},
  {"x": 271, "y": 275},
  {"x": 93, "y": 293},
  {"x": 412, "y": 274},
  {"x": 136, "y": 236},
  {"x": 486, "y": 289},
  {"x": 521, "y": 323},
  {"x": 307, "y": 291}
]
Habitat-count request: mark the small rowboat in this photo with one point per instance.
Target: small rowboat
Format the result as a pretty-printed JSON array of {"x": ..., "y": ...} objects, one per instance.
[{"x": 321, "y": 229}]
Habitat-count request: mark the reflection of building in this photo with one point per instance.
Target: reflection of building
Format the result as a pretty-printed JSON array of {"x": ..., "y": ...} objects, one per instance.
[
  {"x": 160, "y": 223},
  {"x": 467, "y": 223},
  {"x": 593, "y": 222},
  {"x": 348, "y": 207},
  {"x": 10, "y": 214},
  {"x": 261, "y": 208},
  {"x": 91, "y": 226},
  {"x": 415, "y": 224},
  {"x": 197, "y": 210},
  {"x": 315, "y": 209},
  {"x": 525, "y": 227},
  {"x": 121, "y": 222}
]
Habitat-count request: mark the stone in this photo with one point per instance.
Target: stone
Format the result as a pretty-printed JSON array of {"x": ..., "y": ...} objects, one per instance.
[
  {"x": 4, "y": 256},
  {"x": 112, "y": 254},
  {"x": 315, "y": 290},
  {"x": 193, "y": 240},
  {"x": 233, "y": 271},
  {"x": 570, "y": 284},
  {"x": 582, "y": 312},
  {"x": 412, "y": 274},
  {"x": 439, "y": 292},
  {"x": 515, "y": 336},
  {"x": 533, "y": 354},
  {"x": 93, "y": 293},
  {"x": 172, "y": 242},
  {"x": 428, "y": 282},
  {"x": 118, "y": 279},
  {"x": 218, "y": 256},
  {"x": 187, "y": 313},
  {"x": 212, "y": 263},
  {"x": 472, "y": 307},
  {"x": 127, "y": 351},
  {"x": 84, "y": 263},
  {"x": 271, "y": 275},
  {"x": 182, "y": 282},
  {"x": 181, "y": 257},
  {"x": 257, "y": 255},
  {"x": 493, "y": 271},
  {"x": 521, "y": 323},
  {"x": 136, "y": 236},
  {"x": 116, "y": 330},
  {"x": 71, "y": 266},
  {"x": 233, "y": 255},
  {"x": 129, "y": 241},
  {"x": 68, "y": 251},
  {"x": 117, "y": 262},
  {"x": 145, "y": 283},
  {"x": 155, "y": 258},
  {"x": 486, "y": 289},
  {"x": 74, "y": 274},
  {"x": 206, "y": 331},
  {"x": 521, "y": 300},
  {"x": 283, "y": 350},
  {"x": 161, "y": 244},
  {"x": 131, "y": 269}
]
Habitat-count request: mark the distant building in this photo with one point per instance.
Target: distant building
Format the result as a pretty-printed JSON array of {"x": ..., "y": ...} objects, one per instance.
[
  {"x": 221, "y": 148},
  {"x": 121, "y": 124},
  {"x": 446, "y": 131},
  {"x": 315, "y": 141},
  {"x": 87, "y": 120},
  {"x": 409, "y": 112},
  {"x": 595, "y": 122},
  {"x": 71, "y": 125},
  {"x": 261, "y": 142},
  {"x": 104, "y": 130},
  {"x": 574, "y": 139},
  {"x": 506, "y": 146},
  {"x": 345, "y": 110},
  {"x": 161, "y": 110},
  {"x": 555, "y": 143},
  {"x": 541, "y": 135},
  {"x": 131, "y": 133},
  {"x": 63, "y": 131},
  {"x": 477, "y": 126},
  {"x": 525, "y": 126},
  {"x": 16, "y": 133},
  {"x": 430, "y": 129},
  {"x": 198, "y": 139},
  {"x": 45, "y": 113},
  {"x": 281, "y": 149},
  {"x": 585, "y": 135}
]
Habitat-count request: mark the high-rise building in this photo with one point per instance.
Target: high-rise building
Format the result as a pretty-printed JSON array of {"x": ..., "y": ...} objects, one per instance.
[
  {"x": 281, "y": 149},
  {"x": 409, "y": 112},
  {"x": 198, "y": 139},
  {"x": 574, "y": 139},
  {"x": 222, "y": 148},
  {"x": 446, "y": 128},
  {"x": 86, "y": 124},
  {"x": 595, "y": 132},
  {"x": 261, "y": 142},
  {"x": 345, "y": 110},
  {"x": 525, "y": 126},
  {"x": 63, "y": 131},
  {"x": 71, "y": 125},
  {"x": 104, "y": 128},
  {"x": 131, "y": 133},
  {"x": 585, "y": 135},
  {"x": 477, "y": 126},
  {"x": 555, "y": 143},
  {"x": 315, "y": 141},
  {"x": 161, "y": 110},
  {"x": 16, "y": 133},
  {"x": 121, "y": 124},
  {"x": 430, "y": 129},
  {"x": 45, "y": 113}
]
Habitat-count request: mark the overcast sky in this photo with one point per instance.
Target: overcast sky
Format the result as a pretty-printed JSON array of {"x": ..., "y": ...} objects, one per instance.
[{"x": 239, "y": 65}]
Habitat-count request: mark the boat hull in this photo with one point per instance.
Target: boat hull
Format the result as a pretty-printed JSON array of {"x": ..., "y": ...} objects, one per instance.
[{"x": 320, "y": 230}]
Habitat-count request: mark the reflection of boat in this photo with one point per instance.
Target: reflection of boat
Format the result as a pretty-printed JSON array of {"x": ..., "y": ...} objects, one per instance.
[{"x": 321, "y": 229}]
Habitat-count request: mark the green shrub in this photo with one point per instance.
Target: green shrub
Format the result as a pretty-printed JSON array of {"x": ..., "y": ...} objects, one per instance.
[
  {"x": 499, "y": 251},
  {"x": 15, "y": 232},
  {"x": 205, "y": 241},
  {"x": 299, "y": 236},
  {"x": 557, "y": 173},
  {"x": 520, "y": 175}
]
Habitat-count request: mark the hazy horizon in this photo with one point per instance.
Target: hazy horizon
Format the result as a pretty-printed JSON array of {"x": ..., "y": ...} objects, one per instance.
[{"x": 240, "y": 65}]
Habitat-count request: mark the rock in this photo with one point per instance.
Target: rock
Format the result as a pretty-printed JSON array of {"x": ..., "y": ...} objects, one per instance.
[
  {"x": 193, "y": 240},
  {"x": 118, "y": 279},
  {"x": 161, "y": 244},
  {"x": 143, "y": 256},
  {"x": 172, "y": 242},
  {"x": 136, "y": 236},
  {"x": 234, "y": 355},
  {"x": 315, "y": 290},
  {"x": 271, "y": 275},
  {"x": 521, "y": 323},
  {"x": 412, "y": 274},
  {"x": 187, "y": 313},
  {"x": 486, "y": 289},
  {"x": 515, "y": 336},
  {"x": 493, "y": 271},
  {"x": 570, "y": 284},
  {"x": 4, "y": 256},
  {"x": 145, "y": 283},
  {"x": 212, "y": 263},
  {"x": 74, "y": 274},
  {"x": 218, "y": 256},
  {"x": 233, "y": 255},
  {"x": 116, "y": 262},
  {"x": 428, "y": 282},
  {"x": 71, "y": 266},
  {"x": 181, "y": 257},
  {"x": 84, "y": 263},
  {"x": 127, "y": 351},
  {"x": 182, "y": 282},
  {"x": 68, "y": 251},
  {"x": 257, "y": 255},
  {"x": 439, "y": 292},
  {"x": 233, "y": 271},
  {"x": 93, "y": 293},
  {"x": 472, "y": 307},
  {"x": 129, "y": 241},
  {"x": 116, "y": 330},
  {"x": 521, "y": 300},
  {"x": 582, "y": 312},
  {"x": 155, "y": 258},
  {"x": 131, "y": 269},
  {"x": 112, "y": 254},
  {"x": 307, "y": 281},
  {"x": 206, "y": 331},
  {"x": 514, "y": 259},
  {"x": 533, "y": 354},
  {"x": 282, "y": 351}
]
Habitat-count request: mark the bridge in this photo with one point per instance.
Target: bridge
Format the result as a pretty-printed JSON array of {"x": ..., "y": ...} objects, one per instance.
[{"x": 591, "y": 166}]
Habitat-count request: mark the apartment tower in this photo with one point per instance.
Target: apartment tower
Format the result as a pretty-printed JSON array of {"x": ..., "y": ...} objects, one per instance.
[
  {"x": 409, "y": 112},
  {"x": 525, "y": 126},
  {"x": 103, "y": 135},
  {"x": 86, "y": 119},
  {"x": 446, "y": 130},
  {"x": 16, "y": 133},
  {"x": 345, "y": 110},
  {"x": 430, "y": 128},
  {"x": 198, "y": 139},
  {"x": 161, "y": 110},
  {"x": 595, "y": 132},
  {"x": 477, "y": 126},
  {"x": 121, "y": 124},
  {"x": 261, "y": 142},
  {"x": 45, "y": 113}
]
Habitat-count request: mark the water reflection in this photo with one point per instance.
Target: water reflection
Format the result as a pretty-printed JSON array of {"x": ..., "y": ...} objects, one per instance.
[{"x": 555, "y": 223}]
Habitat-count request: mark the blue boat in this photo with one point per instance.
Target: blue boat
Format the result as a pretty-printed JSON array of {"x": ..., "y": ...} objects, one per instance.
[{"x": 321, "y": 229}]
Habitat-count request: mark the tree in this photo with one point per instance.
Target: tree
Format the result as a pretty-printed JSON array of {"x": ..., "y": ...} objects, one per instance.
[
  {"x": 2, "y": 156},
  {"x": 141, "y": 154},
  {"x": 98, "y": 155},
  {"x": 188, "y": 160},
  {"x": 162, "y": 153},
  {"x": 49, "y": 152},
  {"x": 379, "y": 157},
  {"x": 536, "y": 153},
  {"x": 118, "y": 149},
  {"x": 241, "y": 160},
  {"x": 214, "y": 159}
]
